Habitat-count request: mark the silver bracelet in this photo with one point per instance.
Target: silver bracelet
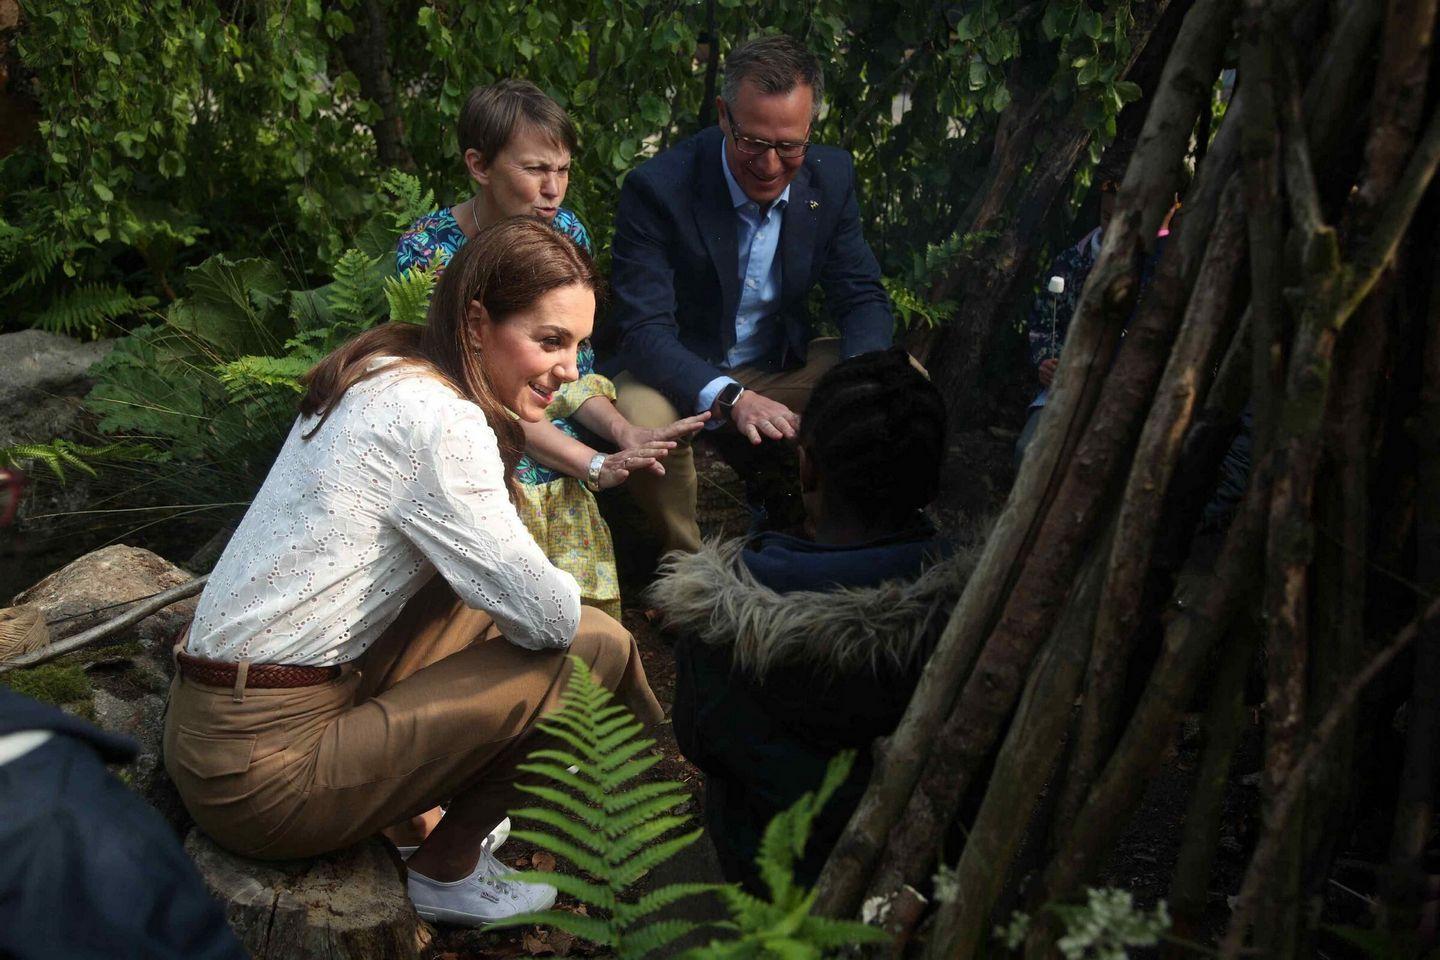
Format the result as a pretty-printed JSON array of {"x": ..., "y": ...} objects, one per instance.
[{"x": 592, "y": 474}]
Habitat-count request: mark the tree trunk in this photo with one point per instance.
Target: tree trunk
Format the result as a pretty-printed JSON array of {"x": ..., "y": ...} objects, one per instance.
[
  {"x": 349, "y": 905},
  {"x": 994, "y": 271},
  {"x": 367, "y": 54}
]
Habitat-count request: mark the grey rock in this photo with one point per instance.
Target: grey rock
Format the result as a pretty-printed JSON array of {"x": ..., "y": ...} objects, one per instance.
[
  {"x": 43, "y": 377},
  {"x": 130, "y": 684}
]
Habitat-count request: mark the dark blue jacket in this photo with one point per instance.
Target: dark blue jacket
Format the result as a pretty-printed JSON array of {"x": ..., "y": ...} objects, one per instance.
[
  {"x": 89, "y": 869},
  {"x": 789, "y": 651},
  {"x": 675, "y": 268}
]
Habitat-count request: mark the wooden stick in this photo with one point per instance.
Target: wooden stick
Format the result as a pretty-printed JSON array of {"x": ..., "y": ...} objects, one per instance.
[{"x": 134, "y": 615}]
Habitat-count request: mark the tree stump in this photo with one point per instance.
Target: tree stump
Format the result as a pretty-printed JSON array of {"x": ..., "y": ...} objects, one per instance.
[{"x": 349, "y": 905}]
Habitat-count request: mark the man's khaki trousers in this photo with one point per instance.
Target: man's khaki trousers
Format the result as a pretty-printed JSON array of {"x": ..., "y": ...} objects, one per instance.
[
  {"x": 669, "y": 501},
  {"x": 440, "y": 708}
]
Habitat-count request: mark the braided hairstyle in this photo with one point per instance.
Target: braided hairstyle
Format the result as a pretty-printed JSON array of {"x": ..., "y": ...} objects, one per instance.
[{"x": 875, "y": 430}]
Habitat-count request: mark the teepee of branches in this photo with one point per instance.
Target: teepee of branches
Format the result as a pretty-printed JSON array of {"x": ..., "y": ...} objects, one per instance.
[{"x": 1299, "y": 290}]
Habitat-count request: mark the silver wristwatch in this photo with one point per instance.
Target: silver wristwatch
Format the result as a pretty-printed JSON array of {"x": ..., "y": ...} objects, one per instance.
[{"x": 592, "y": 473}]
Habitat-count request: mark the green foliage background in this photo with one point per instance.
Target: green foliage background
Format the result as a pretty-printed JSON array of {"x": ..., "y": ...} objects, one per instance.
[
  {"x": 175, "y": 129},
  {"x": 205, "y": 178}
]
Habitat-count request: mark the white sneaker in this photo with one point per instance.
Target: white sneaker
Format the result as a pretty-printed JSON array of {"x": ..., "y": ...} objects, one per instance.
[
  {"x": 497, "y": 839},
  {"x": 483, "y": 897}
]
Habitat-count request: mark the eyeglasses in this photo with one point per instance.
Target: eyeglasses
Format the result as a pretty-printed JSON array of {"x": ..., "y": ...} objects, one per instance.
[{"x": 754, "y": 147}]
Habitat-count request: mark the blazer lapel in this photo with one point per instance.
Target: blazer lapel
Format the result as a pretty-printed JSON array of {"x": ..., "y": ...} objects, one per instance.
[
  {"x": 715, "y": 218},
  {"x": 797, "y": 238}
]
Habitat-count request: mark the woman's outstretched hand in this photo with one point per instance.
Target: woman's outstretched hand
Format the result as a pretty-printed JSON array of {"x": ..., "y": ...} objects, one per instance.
[
  {"x": 633, "y": 436},
  {"x": 645, "y": 447}
]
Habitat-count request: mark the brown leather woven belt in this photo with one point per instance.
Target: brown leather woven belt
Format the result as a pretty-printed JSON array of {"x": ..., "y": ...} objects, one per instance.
[{"x": 216, "y": 673}]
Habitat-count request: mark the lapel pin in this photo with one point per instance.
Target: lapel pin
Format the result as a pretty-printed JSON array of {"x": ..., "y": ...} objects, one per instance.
[{"x": 814, "y": 204}]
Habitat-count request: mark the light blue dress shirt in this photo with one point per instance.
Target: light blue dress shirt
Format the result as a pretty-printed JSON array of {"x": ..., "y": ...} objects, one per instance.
[{"x": 756, "y": 328}]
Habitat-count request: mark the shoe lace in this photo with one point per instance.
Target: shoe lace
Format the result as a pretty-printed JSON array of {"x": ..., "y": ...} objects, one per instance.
[{"x": 495, "y": 872}]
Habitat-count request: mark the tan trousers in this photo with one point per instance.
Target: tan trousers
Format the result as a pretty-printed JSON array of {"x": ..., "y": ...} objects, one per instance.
[
  {"x": 439, "y": 708},
  {"x": 669, "y": 501}
]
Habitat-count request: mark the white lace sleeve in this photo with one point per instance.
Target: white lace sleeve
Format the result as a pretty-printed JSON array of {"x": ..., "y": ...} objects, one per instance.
[{"x": 452, "y": 504}]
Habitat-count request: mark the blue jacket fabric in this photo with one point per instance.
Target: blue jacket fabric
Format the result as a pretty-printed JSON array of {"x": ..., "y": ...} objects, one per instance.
[
  {"x": 787, "y": 652},
  {"x": 675, "y": 268},
  {"x": 90, "y": 870}
]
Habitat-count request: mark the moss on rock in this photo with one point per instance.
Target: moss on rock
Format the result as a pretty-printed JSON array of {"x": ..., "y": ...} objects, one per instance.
[{"x": 61, "y": 685}]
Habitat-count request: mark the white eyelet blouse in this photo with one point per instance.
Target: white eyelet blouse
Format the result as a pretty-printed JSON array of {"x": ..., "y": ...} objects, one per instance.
[{"x": 403, "y": 479}]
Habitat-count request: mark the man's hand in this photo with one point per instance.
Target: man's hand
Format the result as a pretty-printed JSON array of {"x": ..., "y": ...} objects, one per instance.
[
  {"x": 759, "y": 418},
  {"x": 1046, "y": 371}
]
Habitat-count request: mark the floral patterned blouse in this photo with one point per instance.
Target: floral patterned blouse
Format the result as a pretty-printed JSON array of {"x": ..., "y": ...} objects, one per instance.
[{"x": 430, "y": 243}]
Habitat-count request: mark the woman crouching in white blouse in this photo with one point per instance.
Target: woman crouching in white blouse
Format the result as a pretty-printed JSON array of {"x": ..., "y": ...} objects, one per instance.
[{"x": 331, "y": 685}]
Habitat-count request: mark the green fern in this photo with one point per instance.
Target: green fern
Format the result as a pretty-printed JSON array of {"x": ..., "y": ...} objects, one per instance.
[
  {"x": 86, "y": 309},
  {"x": 913, "y": 311},
  {"x": 783, "y": 926},
  {"x": 605, "y": 825},
  {"x": 356, "y": 293},
  {"x": 251, "y": 377},
  {"x": 59, "y": 454},
  {"x": 39, "y": 253},
  {"x": 409, "y": 295},
  {"x": 412, "y": 199}
]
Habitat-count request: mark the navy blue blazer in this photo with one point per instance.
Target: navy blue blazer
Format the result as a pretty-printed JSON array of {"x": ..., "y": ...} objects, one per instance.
[{"x": 675, "y": 267}]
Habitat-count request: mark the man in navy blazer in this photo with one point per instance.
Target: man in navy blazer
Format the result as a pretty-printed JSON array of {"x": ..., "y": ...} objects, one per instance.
[{"x": 718, "y": 242}]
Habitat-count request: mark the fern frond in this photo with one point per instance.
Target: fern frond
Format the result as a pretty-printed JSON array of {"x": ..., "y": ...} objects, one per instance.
[
  {"x": 622, "y": 846},
  {"x": 251, "y": 377},
  {"x": 622, "y": 825},
  {"x": 628, "y": 771},
  {"x": 357, "y": 291},
  {"x": 587, "y": 928},
  {"x": 59, "y": 454},
  {"x": 43, "y": 253},
  {"x": 409, "y": 295},
  {"x": 559, "y": 798},
  {"x": 659, "y": 899},
  {"x": 411, "y": 198},
  {"x": 583, "y": 890},
  {"x": 561, "y": 775},
  {"x": 652, "y": 937},
  {"x": 87, "y": 308},
  {"x": 590, "y": 863},
  {"x": 642, "y": 793},
  {"x": 643, "y": 862},
  {"x": 626, "y": 829},
  {"x": 581, "y": 833}
]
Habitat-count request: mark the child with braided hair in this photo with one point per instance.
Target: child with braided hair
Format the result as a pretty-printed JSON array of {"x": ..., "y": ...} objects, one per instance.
[{"x": 792, "y": 649}]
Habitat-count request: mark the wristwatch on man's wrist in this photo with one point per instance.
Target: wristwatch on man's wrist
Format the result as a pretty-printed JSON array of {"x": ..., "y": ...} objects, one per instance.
[
  {"x": 725, "y": 401},
  {"x": 592, "y": 473}
]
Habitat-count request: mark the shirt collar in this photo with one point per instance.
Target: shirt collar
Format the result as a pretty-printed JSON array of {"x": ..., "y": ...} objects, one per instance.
[{"x": 738, "y": 197}]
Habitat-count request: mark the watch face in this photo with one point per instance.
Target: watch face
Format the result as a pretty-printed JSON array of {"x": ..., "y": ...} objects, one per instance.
[{"x": 729, "y": 395}]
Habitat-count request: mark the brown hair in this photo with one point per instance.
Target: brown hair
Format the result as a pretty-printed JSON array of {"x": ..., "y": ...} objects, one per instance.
[
  {"x": 492, "y": 114},
  {"x": 774, "y": 64},
  {"x": 507, "y": 268}
]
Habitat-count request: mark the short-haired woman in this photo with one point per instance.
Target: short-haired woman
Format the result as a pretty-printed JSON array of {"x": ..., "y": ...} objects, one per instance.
[
  {"x": 516, "y": 143},
  {"x": 331, "y": 685}
]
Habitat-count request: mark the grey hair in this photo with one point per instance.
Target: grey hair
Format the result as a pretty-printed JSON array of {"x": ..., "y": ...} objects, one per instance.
[{"x": 774, "y": 64}]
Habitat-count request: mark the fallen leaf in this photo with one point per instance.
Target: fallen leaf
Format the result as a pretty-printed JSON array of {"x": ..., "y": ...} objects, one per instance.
[
  {"x": 537, "y": 944},
  {"x": 543, "y": 861}
]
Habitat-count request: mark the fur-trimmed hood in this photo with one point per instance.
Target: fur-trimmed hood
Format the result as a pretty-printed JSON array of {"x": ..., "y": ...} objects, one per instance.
[{"x": 713, "y": 596}]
